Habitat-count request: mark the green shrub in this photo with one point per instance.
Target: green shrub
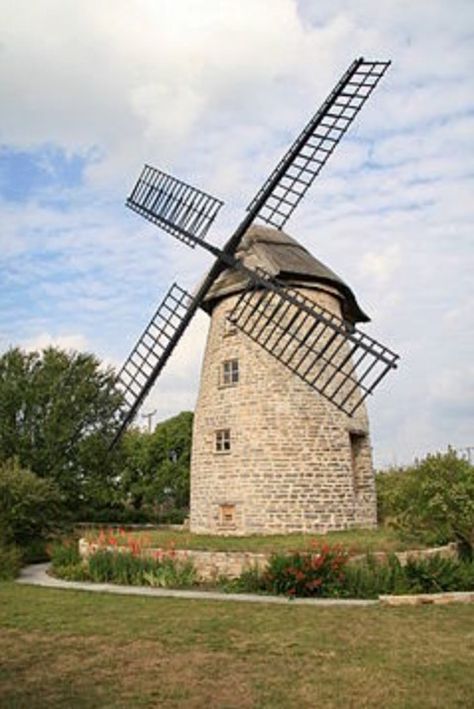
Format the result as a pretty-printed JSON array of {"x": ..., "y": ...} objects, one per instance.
[
  {"x": 64, "y": 553},
  {"x": 432, "y": 500},
  {"x": 105, "y": 566},
  {"x": 66, "y": 562},
  {"x": 368, "y": 578},
  {"x": 30, "y": 507},
  {"x": 170, "y": 574},
  {"x": 294, "y": 575},
  {"x": 319, "y": 573},
  {"x": 10, "y": 561},
  {"x": 35, "y": 551},
  {"x": 436, "y": 574},
  {"x": 251, "y": 580}
]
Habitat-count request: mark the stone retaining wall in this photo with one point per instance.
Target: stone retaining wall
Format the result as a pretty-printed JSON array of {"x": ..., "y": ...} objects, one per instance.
[{"x": 210, "y": 565}]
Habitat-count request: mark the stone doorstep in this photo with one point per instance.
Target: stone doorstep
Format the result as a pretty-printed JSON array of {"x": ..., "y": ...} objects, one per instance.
[{"x": 421, "y": 599}]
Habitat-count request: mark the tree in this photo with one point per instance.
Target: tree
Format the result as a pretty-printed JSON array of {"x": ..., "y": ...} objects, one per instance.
[
  {"x": 433, "y": 499},
  {"x": 55, "y": 407},
  {"x": 31, "y": 508},
  {"x": 155, "y": 469}
]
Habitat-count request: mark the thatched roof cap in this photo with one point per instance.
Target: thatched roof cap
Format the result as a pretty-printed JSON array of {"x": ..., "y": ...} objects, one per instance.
[{"x": 283, "y": 257}]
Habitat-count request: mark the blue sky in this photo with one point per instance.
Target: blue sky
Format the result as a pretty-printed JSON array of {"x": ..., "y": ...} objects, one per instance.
[{"x": 214, "y": 91}]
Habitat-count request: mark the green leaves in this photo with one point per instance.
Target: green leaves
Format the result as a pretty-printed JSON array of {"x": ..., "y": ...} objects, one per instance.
[
  {"x": 30, "y": 507},
  {"x": 53, "y": 405},
  {"x": 156, "y": 465},
  {"x": 432, "y": 500}
]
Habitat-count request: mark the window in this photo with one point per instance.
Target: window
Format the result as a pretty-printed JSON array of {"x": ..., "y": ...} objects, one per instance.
[
  {"x": 229, "y": 327},
  {"x": 223, "y": 440},
  {"x": 227, "y": 515},
  {"x": 358, "y": 444},
  {"x": 230, "y": 372}
]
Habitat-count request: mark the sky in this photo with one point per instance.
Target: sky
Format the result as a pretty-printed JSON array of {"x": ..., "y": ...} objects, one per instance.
[{"x": 213, "y": 92}]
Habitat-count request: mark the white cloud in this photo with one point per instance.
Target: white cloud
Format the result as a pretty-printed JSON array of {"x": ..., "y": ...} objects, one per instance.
[{"x": 66, "y": 342}]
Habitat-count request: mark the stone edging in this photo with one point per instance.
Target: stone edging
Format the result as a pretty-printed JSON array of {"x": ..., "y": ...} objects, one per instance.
[{"x": 211, "y": 564}]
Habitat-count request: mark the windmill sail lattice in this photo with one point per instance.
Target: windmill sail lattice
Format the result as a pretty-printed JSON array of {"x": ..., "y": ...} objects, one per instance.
[
  {"x": 152, "y": 351},
  {"x": 341, "y": 363},
  {"x": 175, "y": 206},
  {"x": 299, "y": 167}
]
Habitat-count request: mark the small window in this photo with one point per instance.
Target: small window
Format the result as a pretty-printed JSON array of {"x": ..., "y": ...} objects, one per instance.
[
  {"x": 227, "y": 515},
  {"x": 230, "y": 372},
  {"x": 358, "y": 443},
  {"x": 223, "y": 440},
  {"x": 229, "y": 327}
]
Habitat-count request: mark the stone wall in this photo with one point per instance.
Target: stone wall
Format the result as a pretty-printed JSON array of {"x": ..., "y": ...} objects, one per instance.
[
  {"x": 296, "y": 463},
  {"x": 210, "y": 565}
]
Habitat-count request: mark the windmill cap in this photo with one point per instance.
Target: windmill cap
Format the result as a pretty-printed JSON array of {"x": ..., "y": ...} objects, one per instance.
[{"x": 284, "y": 258}]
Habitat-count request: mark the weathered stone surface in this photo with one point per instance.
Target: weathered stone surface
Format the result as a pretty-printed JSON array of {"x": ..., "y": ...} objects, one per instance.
[{"x": 296, "y": 463}]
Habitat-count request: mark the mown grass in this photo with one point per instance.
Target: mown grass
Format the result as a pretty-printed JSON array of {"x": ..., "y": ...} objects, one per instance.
[
  {"x": 73, "y": 649},
  {"x": 356, "y": 540}
]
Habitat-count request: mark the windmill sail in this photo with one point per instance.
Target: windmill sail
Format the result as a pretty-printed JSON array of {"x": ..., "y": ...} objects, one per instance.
[
  {"x": 341, "y": 363},
  {"x": 181, "y": 210},
  {"x": 268, "y": 314},
  {"x": 152, "y": 351},
  {"x": 278, "y": 197}
]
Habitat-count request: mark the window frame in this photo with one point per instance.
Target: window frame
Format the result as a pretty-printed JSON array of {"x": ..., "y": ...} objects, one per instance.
[
  {"x": 222, "y": 441},
  {"x": 230, "y": 372}
]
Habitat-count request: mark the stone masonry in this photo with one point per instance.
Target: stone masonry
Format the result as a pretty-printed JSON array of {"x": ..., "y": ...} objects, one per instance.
[{"x": 289, "y": 460}]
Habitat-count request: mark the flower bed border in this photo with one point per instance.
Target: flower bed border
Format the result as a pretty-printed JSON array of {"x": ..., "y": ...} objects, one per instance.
[{"x": 210, "y": 565}]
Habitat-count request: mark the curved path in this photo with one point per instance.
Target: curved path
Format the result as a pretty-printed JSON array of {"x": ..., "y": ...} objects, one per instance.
[{"x": 37, "y": 575}]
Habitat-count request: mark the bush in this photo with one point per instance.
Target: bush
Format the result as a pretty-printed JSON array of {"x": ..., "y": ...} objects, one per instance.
[
  {"x": 127, "y": 568},
  {"x": 66, "y": 562},
  {"x": 319, "y": 573},
  {"x": 294, "y": 575},
  {"x": 436, "y": 574},
  {"x": 432, "y": 500},
  {"x": 30, "y": 507},
  {"x": 122, "y": 567},
  {"x": 10, "y": 561}
]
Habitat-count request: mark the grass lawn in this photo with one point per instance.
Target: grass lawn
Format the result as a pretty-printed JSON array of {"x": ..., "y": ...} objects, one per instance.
[
  {"x": 78, "y": 649},
  {"x": 357, "y": 540}
]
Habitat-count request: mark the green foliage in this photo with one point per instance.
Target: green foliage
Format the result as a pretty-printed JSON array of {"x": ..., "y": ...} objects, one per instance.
[
  {"x": 251, "y": 580},
  {"x": 370, "y": 578},
  {"x": 432, "y": 500},
  {"x": 319, "y": 573},
  {"x": 124, "y": 567},
  {"x": 155, "y": 467},
  {"x": 30, "y": 507},
  {"x": 436, "y": 574},
  {"x": 64, "y": 553},
  {"x": 66, "y": 561},
  {"x": 128, "y": 568},
  {"x": 10, "y": 560},
  {"x": 50, "y": 405},
  {"x": 313, "y": 575}
]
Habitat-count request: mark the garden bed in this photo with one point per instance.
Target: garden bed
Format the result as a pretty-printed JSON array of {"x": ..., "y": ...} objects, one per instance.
[
  {"x": 320, "y": 570},
  {"x": 211, "y": 565}
]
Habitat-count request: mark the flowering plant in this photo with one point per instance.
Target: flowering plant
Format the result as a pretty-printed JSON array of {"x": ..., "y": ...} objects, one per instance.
[{"x": 319, "y": 572}]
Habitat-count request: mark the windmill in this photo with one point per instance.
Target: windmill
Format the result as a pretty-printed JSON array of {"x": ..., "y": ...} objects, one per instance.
[{"x": 309, "y": 345}]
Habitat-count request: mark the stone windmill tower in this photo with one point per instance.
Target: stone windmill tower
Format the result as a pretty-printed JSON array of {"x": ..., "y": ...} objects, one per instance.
[
  {"x": 269, "y": 453},
  {"x": 281, "y": 439}
]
